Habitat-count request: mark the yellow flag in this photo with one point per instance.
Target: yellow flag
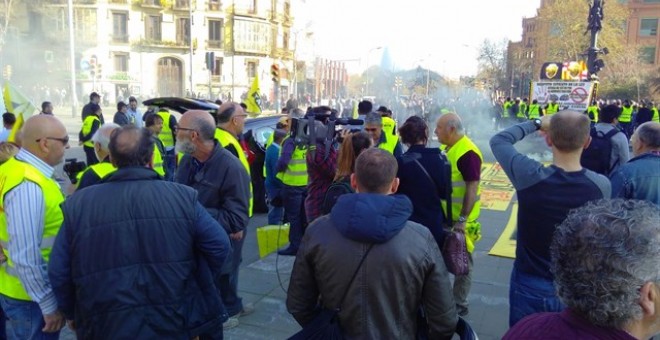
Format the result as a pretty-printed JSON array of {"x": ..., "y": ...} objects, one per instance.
[
  {"x": 253, "y": 99},
  {"x": 19, "y": 105}
]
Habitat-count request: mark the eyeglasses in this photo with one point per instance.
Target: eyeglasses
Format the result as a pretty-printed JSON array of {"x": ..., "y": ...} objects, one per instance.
[
  {"x": 371, "y": 129},
  {"x": 64, "y": 140},
  {"x": 178, "y": 128}
]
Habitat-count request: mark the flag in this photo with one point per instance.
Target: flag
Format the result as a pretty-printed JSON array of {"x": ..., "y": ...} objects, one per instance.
[
  {"x": 253, "y": 99},
  {"x": 19, "y": 105}
]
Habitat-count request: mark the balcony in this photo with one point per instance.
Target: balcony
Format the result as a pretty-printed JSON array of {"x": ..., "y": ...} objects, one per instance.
[
  {"x": 214, "y": 5},
  {"x": 75, "y": 2},
  {"x": 121, "y": 39},
  {"x": 119, "y": 2},
  {"x": 154, "y": 3},
  {"x": 215, "y": 43},
  {"x": 177, "y": 44},
  {"x": 181, "y": 5}
]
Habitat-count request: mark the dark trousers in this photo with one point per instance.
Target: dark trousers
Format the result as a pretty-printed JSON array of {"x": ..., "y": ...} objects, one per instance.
[
  {"x": 229, "y": 281},
  {"x": 90, "y": 155},
  {"x": 294, "y": 210},
  {"x": 627, "y": 129},
  {"x": 530, "y": 294}
]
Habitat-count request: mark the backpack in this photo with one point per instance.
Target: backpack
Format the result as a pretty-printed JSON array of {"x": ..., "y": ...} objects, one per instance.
[
  {"x": 598, "y": 155},
  {"x": 335, "y": 190}
]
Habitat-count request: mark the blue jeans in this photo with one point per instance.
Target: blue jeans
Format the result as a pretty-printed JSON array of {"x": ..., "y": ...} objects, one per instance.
[
  {"x": 169, "y": 163},
  {"x": 229, "y": 282},
  {"x": 294, "y": 209},
  {"x": 24, "y": 320},
  {"x": 275, "y": 214},
  {"x": 530, "y": 294}
]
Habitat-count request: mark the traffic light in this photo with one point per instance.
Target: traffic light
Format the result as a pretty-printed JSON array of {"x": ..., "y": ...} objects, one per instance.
[
  {"x": 92, "y": 66},
  {"x": 275, "y": 72},
  {"x": 7, "y": 72},
  {"x": 210, "y": 61},
  {"x": 99, "y": 71}
]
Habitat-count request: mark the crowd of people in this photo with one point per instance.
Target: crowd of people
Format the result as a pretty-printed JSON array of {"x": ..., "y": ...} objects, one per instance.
[{"x": 369, "y": 209}]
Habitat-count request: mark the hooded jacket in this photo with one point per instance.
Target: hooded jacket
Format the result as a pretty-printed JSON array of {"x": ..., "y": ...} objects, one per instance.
[{"x": 403, "y": 271}]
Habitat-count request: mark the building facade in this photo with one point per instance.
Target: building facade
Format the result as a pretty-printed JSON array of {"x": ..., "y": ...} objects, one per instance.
[
  {"x": 151, "y": 48},
  {"x": 525, "y": 57}
]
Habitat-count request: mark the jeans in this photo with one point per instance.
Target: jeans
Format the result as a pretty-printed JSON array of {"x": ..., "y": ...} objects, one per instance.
[
  {"x": 462, "y": 285},
  {"x": 229, "y": 282},
  {"x": 24, "y": 320},
  {"x": 90, "y": 155},
  {"x": 275, "y": 214},
  {"x": 530, "y": 294},
  {"x": 169, "y": 163},
  {"x": 294, "y": 209}
]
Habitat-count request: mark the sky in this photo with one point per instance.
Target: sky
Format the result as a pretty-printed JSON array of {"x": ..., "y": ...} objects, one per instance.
[{"x": 443, "y": 35}]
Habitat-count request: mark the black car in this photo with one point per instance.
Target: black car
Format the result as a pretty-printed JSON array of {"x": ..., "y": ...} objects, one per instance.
[{"x": 256, "y": 133}]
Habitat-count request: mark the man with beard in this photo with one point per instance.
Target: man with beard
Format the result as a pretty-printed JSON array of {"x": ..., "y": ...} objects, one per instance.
[{"x": 223, "y": 187}]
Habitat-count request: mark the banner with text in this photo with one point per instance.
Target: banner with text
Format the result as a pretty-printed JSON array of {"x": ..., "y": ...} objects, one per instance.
[{"x": 570, "y": 95}]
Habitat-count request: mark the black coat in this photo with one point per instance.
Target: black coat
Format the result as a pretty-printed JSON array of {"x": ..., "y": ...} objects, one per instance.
[
  {"x": 136, "y": 258},
  {"x": 424, "y": 193}
]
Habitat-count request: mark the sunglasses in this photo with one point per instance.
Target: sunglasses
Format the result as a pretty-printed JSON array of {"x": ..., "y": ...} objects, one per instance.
[
  {"x": 64, "y": 140},
  {"x": 370, "y": 129}
]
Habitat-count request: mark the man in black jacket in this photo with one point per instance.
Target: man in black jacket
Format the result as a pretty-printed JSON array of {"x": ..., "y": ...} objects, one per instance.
[
  {"x": 223, "y": 186},
  {"x": 122, "y": 270}
]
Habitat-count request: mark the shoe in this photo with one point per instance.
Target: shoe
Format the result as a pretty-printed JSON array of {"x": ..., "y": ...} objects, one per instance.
[
  {"x": 288, "y": 252},
  {"x": 230, "y": 323},
  {"x": 248, "y": 309}
]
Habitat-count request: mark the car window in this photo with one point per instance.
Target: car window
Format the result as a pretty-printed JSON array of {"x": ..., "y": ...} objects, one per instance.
[{"x": 261, "y": 134}]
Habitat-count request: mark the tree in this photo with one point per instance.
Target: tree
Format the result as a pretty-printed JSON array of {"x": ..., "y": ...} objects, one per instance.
[
  {"x": 5, "y": 19},
  {"x": 492, "y": 64}
]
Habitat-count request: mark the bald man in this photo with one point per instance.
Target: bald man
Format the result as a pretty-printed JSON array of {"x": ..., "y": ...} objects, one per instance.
[
  {"x": 30, "y": 218},
  {"x": 223, "y": 186},
  {"x": 465, "y": 159},
  {"x": 545, "y": 196}
]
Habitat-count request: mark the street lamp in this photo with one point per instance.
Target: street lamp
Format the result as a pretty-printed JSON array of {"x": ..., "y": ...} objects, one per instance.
[{"x": 367, "y": 71}]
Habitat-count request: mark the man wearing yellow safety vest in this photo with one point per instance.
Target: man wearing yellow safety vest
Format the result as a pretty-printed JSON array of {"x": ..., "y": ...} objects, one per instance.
[
  {"x": 626, "y": 118},
  {"x": 551, "y": 108},
  {"x": 223, "y": 187},
  {"x": 230, "y": 124},
  {"x": 95, "y": 173},
  {"x": 656, "y": 115},
  {"x": 91, "y": 123},
  {"x": 534, "y": 110},
  {"x": 154, "y": 123},
  {"x": 373, "y": 125},
  {"x": 168, "y": 137},
  {"x": 30, "y": 218},
  {"x": 292, "y": 171},
  {"x": 592, "y": 112},
  {"x": 465, "y": 158},
  {"x": 389, "y": 124}
]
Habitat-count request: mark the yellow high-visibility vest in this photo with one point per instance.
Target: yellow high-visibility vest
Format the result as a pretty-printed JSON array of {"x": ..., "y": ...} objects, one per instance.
[
  {"x": 390, "y": 143},
  {"x": 389, "y": 126},
  {"x": 626, "y": 114},
  {"x": 472, "y": 226},
  {"x": 534, "y": 111},
  {"x": 87, "y": 128},
  {"x": 295, "y": 174},
  {"x": 593, "y": 111},
  {"x": 552, "y": 109},
  {"x": 165, "y": 134},
  {"x": 100, "y": 169},
  {"x": 12, "y": 173}
]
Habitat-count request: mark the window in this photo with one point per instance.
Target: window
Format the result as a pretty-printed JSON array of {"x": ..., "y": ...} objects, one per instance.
[
  {"x": 648, "y": 27},
  {"x": 152, "y": 27},
  {"x": 647, "y": 54},
  {"x": 217, "y": 70},
  {"x": 183, "y": 31},
  {"x": 120, "y": 27},
  {"x": 215, "y": 33},
  {"x": 121, "y": 62},
  {"x": 214, "y": 5},
  {"x": 181, "y": 3},
  {"x": 285, "y": 40},
  {"x": 252, "y": 69}
]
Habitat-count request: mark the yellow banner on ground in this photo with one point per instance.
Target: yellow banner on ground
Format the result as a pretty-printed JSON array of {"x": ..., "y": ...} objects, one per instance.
[
  {"x": 506, "y": 244},
  {"x": 272, "y": 237},
  {"x": 19, "y": 105},
  {"x": 496, "y": 189}
]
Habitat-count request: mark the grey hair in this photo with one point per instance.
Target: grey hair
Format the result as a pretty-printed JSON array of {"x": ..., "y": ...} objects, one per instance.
[
  {"x": 373, "y": 118},
  {"x": 457, "y": 124},
  {"x": 204, "y": 127},
  {"x": 102, "y": 135},
  {"x": 602, "y": 254},
  {"x": 649, "y": 134}
]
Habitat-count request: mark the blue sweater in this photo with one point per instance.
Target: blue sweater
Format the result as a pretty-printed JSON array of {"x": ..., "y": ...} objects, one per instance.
[
  {"x": 272, "y": 183},
  {"x": 545, "y": 196}
]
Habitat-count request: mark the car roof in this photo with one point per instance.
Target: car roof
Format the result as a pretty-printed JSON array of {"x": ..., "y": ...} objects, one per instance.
[{"x": 181, "y": 105}]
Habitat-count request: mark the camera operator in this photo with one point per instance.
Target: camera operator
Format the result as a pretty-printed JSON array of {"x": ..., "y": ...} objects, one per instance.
[
  {"x": 373, "y": 125},
  {"x": 321, "y": 163}
]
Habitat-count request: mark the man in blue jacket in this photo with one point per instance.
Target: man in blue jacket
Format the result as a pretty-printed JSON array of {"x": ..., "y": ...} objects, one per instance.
[{"x": 126, "y": 271}]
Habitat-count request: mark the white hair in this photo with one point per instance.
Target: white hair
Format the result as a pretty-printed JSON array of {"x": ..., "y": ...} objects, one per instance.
[{"x": 102, "y": 135}]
